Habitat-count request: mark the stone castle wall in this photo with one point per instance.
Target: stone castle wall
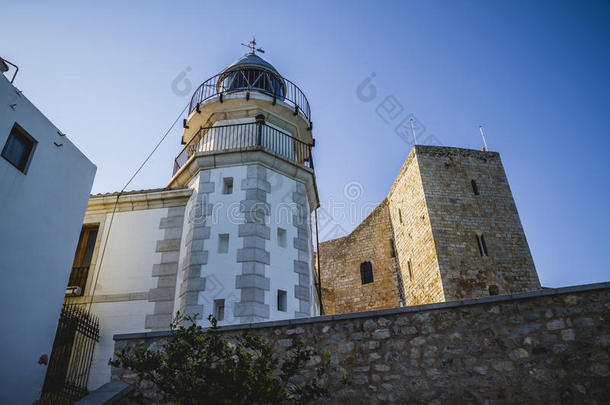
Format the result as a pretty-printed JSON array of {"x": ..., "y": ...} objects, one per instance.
[
  {"x": 433, "y": 216},
  {"x": 550, "y": 345},
  {"x": 340, "y": 261},
  {"x": 457, "y": 215},
  {"x": 414, "y": 240}
]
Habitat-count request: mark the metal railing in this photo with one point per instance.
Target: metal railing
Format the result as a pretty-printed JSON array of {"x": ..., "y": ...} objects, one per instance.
[
  {"x": 239, "y": 136},
  {"x": 70, "y": 362},
  {"x": 252, "y": 80},
  {"x": 78, "y": 277}
]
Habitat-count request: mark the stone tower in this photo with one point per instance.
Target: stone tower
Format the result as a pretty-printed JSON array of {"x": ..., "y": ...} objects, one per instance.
[
  {"x": 246, "y": 253},
  {"x": 448, "y": 230}
]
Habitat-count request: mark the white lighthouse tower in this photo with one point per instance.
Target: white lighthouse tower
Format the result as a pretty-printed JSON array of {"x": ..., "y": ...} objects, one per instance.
[{"x": 246, "y": 251}]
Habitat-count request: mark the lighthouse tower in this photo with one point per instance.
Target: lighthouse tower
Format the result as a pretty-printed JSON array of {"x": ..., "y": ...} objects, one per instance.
[{"x": 246, "y": 251}]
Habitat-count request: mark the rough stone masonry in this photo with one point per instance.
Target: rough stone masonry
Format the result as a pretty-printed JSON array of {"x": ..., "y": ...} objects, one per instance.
[
  {"x": 449, "y": 229},
  {"x": 549, "y": 346}
]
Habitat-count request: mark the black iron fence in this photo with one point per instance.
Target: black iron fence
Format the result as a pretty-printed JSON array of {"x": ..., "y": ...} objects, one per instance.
[
  {"x": 252, "y": 80},
  {"x": 239, "y": 136},
  {"x": 68, "y": 370}
]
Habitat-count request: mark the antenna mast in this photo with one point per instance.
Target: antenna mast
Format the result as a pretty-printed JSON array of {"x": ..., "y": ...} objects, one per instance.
[
  {"x": 413, "y": 131},
  {"x": 483, "y": 136}
]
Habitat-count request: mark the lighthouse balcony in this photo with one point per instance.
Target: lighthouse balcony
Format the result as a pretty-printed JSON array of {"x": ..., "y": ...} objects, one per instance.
[
  {"x": 246, "y": 81},
  {"x": 246, "y": 136}
]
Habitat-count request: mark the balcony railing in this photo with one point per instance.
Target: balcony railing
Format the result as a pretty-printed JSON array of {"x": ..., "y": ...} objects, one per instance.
[
  {"x": 78, "y": 278},
  {"x": 253, "y": 80},
  {"x": 240, "y": 136}
]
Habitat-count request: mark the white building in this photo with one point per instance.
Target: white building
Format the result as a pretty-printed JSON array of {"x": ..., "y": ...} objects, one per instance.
[
  {"x": 230, "y": 235},
  {"x": 45, "y": 182}
]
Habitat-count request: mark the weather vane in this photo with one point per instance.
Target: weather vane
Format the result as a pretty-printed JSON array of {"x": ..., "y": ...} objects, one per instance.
[{"x": 252, "y": 46}]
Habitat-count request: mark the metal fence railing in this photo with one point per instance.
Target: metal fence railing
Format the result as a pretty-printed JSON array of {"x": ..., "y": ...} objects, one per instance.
[
  {"x": 239, "y": 136},
  {"x": 68, "y": 370},
  {"x": 253, "y": 80}
]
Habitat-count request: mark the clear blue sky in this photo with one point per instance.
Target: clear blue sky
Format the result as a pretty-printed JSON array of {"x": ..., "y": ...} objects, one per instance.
[{"x": 535, "y": 74}]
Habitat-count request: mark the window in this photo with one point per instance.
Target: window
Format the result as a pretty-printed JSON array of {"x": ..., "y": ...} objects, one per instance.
[
  {"x": 281, "y": 237},
  {"x": 482, "y": 245},
  {"x": 82, "y": 259},
  {"x": 219, "y": 310},
  {"x": 366, "y": 272},
  {"x": 400, "y": 215},
  {"x": 227, "y": 187},
  {"x": 494, "y": 290},
  {"x": 475, "y": 189},
  {"x": 410, "y": 269},
  {"x": 18, "y": 148},
  {"x": 223, "y": 243},
  {"x": 281, "y": 300}
]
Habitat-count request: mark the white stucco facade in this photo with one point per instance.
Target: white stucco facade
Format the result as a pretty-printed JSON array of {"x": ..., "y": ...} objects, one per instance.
[{"x": 41, "y": 212}]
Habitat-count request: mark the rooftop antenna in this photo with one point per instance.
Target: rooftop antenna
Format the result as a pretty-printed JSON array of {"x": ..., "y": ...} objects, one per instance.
[
  {"x": 252, "y": 46},
  {"x": 413, "y": 131},
  {"x": 483, "y": 136}
]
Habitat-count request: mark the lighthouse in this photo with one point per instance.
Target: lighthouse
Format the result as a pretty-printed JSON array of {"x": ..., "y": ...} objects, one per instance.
[{"x": 246, "y": 250}]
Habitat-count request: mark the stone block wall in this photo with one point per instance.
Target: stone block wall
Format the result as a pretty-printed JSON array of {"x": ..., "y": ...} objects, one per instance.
[
  {"x": 340, "y": 261},
  {"x": 550, "y": 345},
  {"x": 457, "y": 214},
  {"x": 433, "y": 216},
  {"x": 414, "y": 240}
]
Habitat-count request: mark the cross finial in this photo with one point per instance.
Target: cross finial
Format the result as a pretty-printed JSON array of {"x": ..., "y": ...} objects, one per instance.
[{"x": 252, "y": 46}]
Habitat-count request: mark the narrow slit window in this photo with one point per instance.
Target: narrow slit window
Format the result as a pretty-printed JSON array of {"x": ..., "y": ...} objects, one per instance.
[
  {"x": 223, "y": 243},
  {"x": 409, "y": 266},
  {"x": 281, "y": 300},
  {"x": 19, "y": 148},
  {"x": 400, "y": 215},
  {"x": 281, "y": 237},
  {"x": 475, "y": 188},
  {"x": 219, "y": 310},
  {"x": 227, "y": 186},
  {"x": 482, "y": 245},
  {"x": 366, "y": 272}
]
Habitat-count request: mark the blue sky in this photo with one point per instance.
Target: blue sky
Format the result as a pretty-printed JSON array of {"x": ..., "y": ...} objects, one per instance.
[{"x": 113, "y": 76}]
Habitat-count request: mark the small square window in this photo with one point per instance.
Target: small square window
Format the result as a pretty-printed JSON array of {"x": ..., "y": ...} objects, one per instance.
[
  {"x": 281, "y": 237},
  {"x": 18, "y": 148},
  {"x": 281, "y": 300},
  {"x": 223, "y": 243},
  {"x": 227, "y": 187},
  {"x": 219, "y": 310}
]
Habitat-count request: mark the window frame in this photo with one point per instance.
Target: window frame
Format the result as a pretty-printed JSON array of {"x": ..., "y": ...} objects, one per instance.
[
  {"x": 366, "y": 273},
  {"x": 221, "y": 237},
  {"x": 282, "y": 237},
  {"x": 282, "y": 303},
  {"x": 218, "y": 304},
  {"x": 19, "y": 131},
  {"x": 227, "y": 185}
]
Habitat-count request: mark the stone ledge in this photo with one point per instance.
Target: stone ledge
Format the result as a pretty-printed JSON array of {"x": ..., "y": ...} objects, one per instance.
[
  {"x": 107, "y": 394},
  {"x": 383, "y": 312}
]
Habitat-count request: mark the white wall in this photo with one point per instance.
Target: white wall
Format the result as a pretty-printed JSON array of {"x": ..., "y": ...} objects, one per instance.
[
  {"x": 126, "y": 268},
  {"x": 41, "y": 213}
]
